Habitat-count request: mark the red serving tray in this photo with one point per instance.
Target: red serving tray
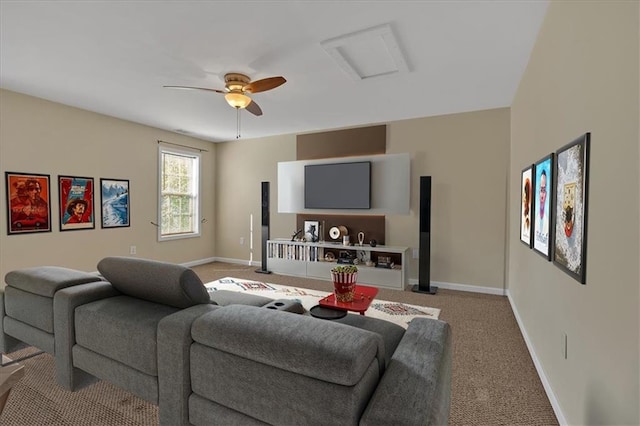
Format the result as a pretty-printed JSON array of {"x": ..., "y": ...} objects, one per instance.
[{"x": 361, "y": 300}]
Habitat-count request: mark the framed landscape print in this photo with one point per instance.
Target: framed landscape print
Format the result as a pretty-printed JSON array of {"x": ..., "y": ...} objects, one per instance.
[
  {"x": 28, "y": 203},
  {"x": 526, "y": 205},
  {"x": 115, "y": 203},
  {"x": 542, "y": 204},
  {"x": 76, "y": 196},
  {"x": 572, "y": 172}
]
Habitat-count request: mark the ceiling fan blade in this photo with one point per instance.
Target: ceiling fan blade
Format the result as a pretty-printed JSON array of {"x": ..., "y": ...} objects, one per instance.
[
  {"x": 264, "y": 84},
  {"x": 195, "y": 88},
  {"x": 253, "y": 108}
]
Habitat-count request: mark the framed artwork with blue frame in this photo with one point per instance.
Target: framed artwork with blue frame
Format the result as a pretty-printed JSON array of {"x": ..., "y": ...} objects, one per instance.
[{"x": 542, "y": 216}]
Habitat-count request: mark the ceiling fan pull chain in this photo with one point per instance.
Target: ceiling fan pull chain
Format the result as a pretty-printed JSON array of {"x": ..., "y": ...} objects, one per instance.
[{"x": 237, "y": 123}]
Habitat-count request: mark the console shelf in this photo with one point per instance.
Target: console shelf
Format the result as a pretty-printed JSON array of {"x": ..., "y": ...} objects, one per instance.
[{"x": 304, "y": 259}]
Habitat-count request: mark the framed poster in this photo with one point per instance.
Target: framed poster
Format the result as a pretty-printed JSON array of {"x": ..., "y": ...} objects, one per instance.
[
  {"x": 542, "y": 204},
  {"x": 570, "y": 241},
  {"x": 311, "y": 228},
  {"x": 28, "y": 203},
  {"x": 115, "y": 203},
  {"x": 526, "y": 189},
  {"x": 76, "y": 203}
]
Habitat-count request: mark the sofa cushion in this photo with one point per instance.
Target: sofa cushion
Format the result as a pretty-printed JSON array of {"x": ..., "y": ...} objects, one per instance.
[
  {"x": 46, "y": 280},
  {"x": 122, "y": 328},
  {"x": 316, "y": 348},
  {"x": 160, "y": 282}
]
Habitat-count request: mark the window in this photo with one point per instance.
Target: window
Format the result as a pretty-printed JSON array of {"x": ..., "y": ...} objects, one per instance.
[{"x": 178, "y": 200}]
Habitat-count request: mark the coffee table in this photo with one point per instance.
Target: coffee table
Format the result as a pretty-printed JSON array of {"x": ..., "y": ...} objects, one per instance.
[{"x": 361, "y": 300}]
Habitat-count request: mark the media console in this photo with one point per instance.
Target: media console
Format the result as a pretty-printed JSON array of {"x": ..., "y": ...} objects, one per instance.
[{"x": 305, "y": 259}]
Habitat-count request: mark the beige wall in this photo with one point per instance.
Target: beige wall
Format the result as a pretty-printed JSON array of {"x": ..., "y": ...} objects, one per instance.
[
  {"x": 583, "y": 77},
  {"x": 467, "y": 157},
  {"x": 37, "y": 136},
  {"x": 242, "y": 165}
]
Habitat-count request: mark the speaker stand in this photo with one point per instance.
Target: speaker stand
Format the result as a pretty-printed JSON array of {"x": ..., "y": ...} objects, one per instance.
[
  {"x": 425, "y": 289},
  {"x": 263, "y": 271}
]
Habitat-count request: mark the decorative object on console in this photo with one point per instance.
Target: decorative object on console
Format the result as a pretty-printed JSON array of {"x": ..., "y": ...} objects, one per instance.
[
  {"x": 311, "y": 228},
  {"x": 337, "y": 232},
  {"x": 384, "y": 262},
  {"x": 345, "y": 240},
  {"x": 373, "y": 243},
  {"x": 360, "y": 238},
  {"x": 344, "y": 282}
]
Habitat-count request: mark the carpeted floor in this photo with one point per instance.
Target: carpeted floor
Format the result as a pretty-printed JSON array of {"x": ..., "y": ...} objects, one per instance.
[{"x": 494, "y": 379}]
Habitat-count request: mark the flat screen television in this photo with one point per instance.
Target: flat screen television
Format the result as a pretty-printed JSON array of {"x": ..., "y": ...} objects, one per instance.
[{"x": 337, "y": 186}]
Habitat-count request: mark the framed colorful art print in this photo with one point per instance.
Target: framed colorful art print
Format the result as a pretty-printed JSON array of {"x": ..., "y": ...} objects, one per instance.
[
  {"x": 115, "y": 203},
  {"x": 76, "y": 195},
  {"x": 542, "y": 204},
  {"x": 572, "y": 189},
  {"x": 526, "y": 205},
  {"x": 28, "y": 203}
]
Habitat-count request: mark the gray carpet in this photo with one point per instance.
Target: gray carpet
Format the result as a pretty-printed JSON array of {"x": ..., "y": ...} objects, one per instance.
[{"x": 494, "y": 379}]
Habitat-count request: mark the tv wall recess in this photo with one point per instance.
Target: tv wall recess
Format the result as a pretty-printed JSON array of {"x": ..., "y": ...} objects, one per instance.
[{"x": 389, "y": 184}]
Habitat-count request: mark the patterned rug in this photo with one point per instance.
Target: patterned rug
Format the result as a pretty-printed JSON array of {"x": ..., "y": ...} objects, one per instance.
[{"x": 398, "y": 313}]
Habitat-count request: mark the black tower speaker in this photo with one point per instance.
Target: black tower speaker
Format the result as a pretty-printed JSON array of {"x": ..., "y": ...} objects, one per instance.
[
  {"x": 264, "y": 197},
  {"x": 424, "y": 260}
]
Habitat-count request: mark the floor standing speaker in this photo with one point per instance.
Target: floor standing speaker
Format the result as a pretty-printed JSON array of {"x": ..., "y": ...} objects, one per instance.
[
  {"x": 424, "y": 258},
  {"x": 264, "y": 197}
]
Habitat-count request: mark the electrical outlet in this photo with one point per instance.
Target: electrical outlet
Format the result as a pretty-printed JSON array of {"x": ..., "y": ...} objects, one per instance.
[
  {"x": 132, "y": 250},
  {"x": 241, "y": 241},
  {"x": 563, "y": 345},
  {"x": 416, "y": 253}
]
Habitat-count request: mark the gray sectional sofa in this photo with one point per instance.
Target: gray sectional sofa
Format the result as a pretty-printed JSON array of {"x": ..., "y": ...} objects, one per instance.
[{"x": 151, "y": 328}]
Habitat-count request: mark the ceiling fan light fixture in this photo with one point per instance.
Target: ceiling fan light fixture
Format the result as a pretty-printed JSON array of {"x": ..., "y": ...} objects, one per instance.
[{"x": 237, "y": 100}]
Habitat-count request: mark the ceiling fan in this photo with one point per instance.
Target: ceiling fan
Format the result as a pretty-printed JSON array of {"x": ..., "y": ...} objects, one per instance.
[{"x": 236, "y": 88}]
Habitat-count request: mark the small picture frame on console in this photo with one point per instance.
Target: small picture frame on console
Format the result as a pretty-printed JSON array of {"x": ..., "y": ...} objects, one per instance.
[{"x": 311, "y": 230}]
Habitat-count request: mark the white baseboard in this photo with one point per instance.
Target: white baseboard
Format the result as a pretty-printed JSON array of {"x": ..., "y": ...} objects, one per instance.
[
  {"x": 230, "y": 260},
  {"x": 199, "y": 262},
  {"x": 536, "y": 362},
  {"x": 464, "y": 287}
]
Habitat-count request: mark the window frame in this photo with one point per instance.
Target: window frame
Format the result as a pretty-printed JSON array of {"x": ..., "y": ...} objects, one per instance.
[{"x": 198, "y": 190}]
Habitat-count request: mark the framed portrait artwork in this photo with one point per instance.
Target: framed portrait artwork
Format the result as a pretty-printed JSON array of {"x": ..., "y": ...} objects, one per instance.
[
  {"x": 570, "y": 241},
  {"x": 542, "y": 204},
  {"x": 311, "y": 229},
  {"x": 115, "y": 203},
  {"x": 28, "y": 203},
  {"x": 526, "y": 205},
  {"x": 76, "y": 195}
]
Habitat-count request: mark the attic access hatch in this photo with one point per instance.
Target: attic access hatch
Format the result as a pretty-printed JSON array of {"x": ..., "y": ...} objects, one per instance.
[{"x": 369, "y": 53}]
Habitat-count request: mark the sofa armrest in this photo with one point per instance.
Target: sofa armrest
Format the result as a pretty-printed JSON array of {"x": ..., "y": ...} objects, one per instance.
[
  {"x": 174, "y": 347},
  {"x": 65, "y": 302},
  {"x": 7, "y": 343},
  {"x": 416, "y": 388}
]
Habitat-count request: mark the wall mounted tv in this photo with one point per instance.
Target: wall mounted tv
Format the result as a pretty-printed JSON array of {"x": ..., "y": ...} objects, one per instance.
[{"x": 337, "y": 186}]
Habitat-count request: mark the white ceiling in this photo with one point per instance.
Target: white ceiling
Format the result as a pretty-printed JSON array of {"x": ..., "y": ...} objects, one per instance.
[{"x": 113, "y": 57}]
